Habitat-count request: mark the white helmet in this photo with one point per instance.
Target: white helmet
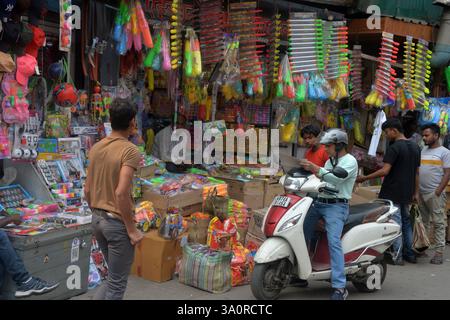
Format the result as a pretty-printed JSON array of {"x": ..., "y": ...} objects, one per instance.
[{"x": 334, "y": 136}]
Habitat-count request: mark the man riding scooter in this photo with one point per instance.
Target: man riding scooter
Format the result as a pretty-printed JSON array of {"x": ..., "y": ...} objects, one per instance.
[{"x": 333, "y": 209}]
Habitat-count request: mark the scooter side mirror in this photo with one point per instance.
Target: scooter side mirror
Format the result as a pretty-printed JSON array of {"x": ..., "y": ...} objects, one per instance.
[{"x": 340, "y": 172}]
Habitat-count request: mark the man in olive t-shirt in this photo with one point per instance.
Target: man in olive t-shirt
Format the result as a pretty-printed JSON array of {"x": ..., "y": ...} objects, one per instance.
[{"x": 112, "y": 163}]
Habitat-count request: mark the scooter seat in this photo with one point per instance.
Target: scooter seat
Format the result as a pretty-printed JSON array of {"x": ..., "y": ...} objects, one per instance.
[{"x": 366, "y": 211}]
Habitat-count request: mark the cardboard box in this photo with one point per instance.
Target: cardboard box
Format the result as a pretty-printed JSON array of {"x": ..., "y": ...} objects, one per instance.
[
  {"x": 253, "y": 201},
  {"x": 370, "y": 193},
  {"x": 254, "y": 186},
  {"x": 364, "y": 195},
  {"x": 155, "y": 258},
  {"x": 251, "y": 192},
  {"x": 256, "y": 222},
  {"x": 189, "y": 201},
  {"x": 271, "y": 190},
  {"x": 357, "y": 199}
]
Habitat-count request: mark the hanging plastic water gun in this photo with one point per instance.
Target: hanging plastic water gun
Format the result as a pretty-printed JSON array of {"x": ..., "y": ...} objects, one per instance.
[
  {"x": 155, "y": 51},
  {"x": 196, "y": 55},
  {"x": 188, "y": 58},
  {"x": 192, "y": 55},
  {"x": 300, "y": 92},
  {"x": 288, "y": 129},
  {"x": 165, "y": 51},
  {"x": 339, "y": 89},
  {"x": 137, "y": 40},
  {"x": 143, "y": 25},
  {"x": 359, "y": 137},
  {"x": 131, "y": 27},
  {"x": 120, "y": 21},
  {"x": 120, "y": 34},
  {"x": 285, "y": 85},
  {"x": 129, "y": 31},
  {"x": 443, "y": 121}
]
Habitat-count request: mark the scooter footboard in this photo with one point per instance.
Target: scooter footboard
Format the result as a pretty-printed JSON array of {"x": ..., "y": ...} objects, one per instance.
[{"x": 274, "y": 249}]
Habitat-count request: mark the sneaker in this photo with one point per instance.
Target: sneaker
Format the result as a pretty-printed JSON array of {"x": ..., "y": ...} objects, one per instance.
[
  {"x": 412, "y": 260},
  {"x": 397, "y": 262},
  {"x": 339, "y": 294},
  {"x": 422, "y": 254},
  {"x": 298, "y": 283},
  {"x": 437, "y": 259},
  {"x": 34, "y": 286}
]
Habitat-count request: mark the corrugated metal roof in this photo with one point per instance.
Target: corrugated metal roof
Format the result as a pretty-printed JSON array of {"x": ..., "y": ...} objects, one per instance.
[{"x": 418, "y": 11}]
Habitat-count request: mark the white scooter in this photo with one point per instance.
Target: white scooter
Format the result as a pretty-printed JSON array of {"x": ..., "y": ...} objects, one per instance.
[{"x": 368, "y": 233}]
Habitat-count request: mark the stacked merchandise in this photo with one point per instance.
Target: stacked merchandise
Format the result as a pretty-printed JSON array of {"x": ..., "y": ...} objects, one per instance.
[{"x": 240, "y": 212}]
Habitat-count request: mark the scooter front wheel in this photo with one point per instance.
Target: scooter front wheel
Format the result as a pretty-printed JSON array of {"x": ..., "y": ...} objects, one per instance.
[{"x": 269, "y": 279}]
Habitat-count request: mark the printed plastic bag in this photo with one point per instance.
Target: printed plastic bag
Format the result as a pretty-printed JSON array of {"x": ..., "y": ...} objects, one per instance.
[
  {"x": 222, "y": 235},
  {"x": 420, "y": 237}
]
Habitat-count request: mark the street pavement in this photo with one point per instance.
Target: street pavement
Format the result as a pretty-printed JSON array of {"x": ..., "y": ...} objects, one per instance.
[{"x": 421, "y": 281}]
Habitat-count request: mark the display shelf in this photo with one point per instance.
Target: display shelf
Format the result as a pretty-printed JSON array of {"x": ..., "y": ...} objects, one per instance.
[{"x": 30, "y": 179}]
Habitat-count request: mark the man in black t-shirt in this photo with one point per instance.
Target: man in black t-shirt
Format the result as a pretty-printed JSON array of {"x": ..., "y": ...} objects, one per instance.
[{"x": 401, "y": 183}]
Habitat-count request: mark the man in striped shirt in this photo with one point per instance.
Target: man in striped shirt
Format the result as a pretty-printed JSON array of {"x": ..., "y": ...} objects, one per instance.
[{"x": 434, "y": 176}]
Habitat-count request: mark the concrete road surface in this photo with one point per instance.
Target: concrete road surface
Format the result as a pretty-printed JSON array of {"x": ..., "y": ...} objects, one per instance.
[{"x": 409, "y": 282}]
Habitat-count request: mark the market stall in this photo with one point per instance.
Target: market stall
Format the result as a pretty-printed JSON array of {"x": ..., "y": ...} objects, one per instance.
[{"x": 219, "y": 64}]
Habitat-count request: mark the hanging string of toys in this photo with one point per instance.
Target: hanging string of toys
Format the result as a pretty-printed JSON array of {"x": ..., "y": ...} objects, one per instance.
[
  {"x": 383, "y": 92},
  {"x": 356, "y": 92},
  {"x": 211, "y": 21}
]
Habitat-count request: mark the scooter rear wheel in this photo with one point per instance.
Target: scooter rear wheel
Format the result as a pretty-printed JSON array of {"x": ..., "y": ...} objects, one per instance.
[
  {"x": 365, "y": 283},
  {"x": 267, "y": 280}
]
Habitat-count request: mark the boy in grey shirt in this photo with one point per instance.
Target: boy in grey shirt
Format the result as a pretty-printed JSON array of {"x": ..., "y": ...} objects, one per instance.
[{"x": 434, "y": 177}]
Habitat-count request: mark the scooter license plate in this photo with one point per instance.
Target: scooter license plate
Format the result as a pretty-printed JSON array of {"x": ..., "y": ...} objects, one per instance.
[{"x": 282, "y": 202}]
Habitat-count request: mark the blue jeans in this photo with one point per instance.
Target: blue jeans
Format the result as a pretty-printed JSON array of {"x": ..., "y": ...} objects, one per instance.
[
  {"x": 335, "y": 216},
  {"x": 10, "y": 262},
  {"x": 403, "y": 219}
]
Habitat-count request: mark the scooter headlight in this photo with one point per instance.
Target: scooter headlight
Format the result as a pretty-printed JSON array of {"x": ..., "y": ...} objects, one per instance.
[
  {"x": 292, "y": 184},
  {"x": 291, "y": 222}
]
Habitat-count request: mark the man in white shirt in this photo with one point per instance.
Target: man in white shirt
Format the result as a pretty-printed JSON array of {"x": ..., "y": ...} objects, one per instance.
[
  {"x": 163, "y": 144},
  {"x": 434, "y": 176}
]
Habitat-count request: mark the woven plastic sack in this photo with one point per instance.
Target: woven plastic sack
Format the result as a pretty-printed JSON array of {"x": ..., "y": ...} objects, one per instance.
[{"x": 206, "y": 269}]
